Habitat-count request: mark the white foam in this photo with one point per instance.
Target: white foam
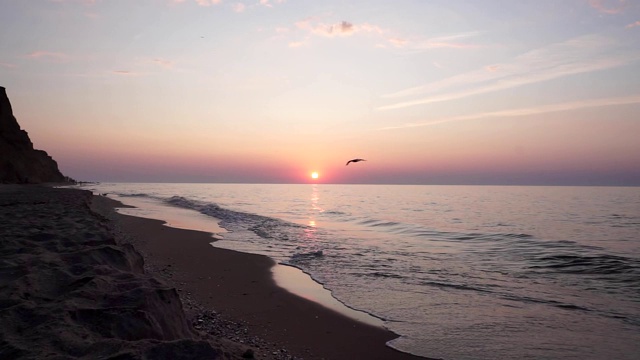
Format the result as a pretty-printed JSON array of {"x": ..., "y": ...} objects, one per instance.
[{"x": 174, "y": 216}]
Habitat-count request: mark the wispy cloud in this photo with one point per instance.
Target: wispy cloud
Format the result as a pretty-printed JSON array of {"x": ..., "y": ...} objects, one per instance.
[
  {"x": 387, "y": 38},
  {"x": 312, "y": 28},
  {"x": 579, "y": 55},
  {"x": 343, "y": 28},
  {"x": 237, "y": 7},
  {"x": 199, "y": 2},
  {"x": 269, "y": 3},
  {"x": 83, "y": 2},
  {"x": 632, "y": 25},
  {"x": 8, "y": 65},
  {"x": 48, "y": 56},
  {"x": 576, "y": 105},
  {"x": 126, "y": 73},
  {"x": 453, "y": 41},
  {"x": 609, "y": 6}
]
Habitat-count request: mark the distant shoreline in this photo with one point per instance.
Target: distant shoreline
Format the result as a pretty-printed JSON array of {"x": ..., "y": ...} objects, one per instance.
[{"x": 358, "y": 184}]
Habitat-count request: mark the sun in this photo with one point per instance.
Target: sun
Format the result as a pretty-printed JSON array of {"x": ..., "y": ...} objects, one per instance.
[{"x": 314, "y": 175}]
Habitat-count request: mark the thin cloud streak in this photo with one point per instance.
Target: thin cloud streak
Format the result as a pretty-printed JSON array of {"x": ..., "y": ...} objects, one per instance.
[
  {"x": 612, "y": 7},
  {"x": 558, "y": 72},
  {"x": 40, "y": 54},
  {"x": 536, "y": 59},
  {"x": 126, "y": 73},
  {"x": 632, "y": 25},
  {"x": 83, "y": 2},
  {"x": 576, "y": 105},
  {"x": 451, "y": 41},
  {"x": 204, "y": 3},
  {"x": 447, "y": 41},
  {"x": 580, "y": 55}
]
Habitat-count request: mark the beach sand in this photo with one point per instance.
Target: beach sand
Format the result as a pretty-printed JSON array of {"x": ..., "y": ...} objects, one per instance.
[
  {"x": 69, "y": 290},
  {"x": 73, "y": 284}
]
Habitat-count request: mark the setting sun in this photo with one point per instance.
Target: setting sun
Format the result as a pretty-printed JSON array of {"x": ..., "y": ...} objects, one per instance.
[{"x": 314, "y": 175}]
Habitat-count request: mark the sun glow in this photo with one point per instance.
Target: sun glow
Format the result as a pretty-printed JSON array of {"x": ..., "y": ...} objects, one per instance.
[{"x": 314, "y": 175}]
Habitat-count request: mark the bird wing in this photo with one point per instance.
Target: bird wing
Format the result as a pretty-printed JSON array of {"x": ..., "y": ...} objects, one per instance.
[{"x": 348, "y": 162}]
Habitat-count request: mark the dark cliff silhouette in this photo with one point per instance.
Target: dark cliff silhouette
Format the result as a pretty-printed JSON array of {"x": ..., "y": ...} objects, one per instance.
[{"x": 20, "y": 163}]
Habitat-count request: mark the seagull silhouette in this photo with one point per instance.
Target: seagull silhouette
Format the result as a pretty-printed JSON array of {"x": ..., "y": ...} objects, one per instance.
[{"x": 354, "y": 161}]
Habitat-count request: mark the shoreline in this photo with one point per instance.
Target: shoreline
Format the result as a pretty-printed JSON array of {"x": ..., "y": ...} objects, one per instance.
[
  {"x": 241, "y": 288},
  {"x": 300, "y": 283},
  {"x": 289, "y": 277}
]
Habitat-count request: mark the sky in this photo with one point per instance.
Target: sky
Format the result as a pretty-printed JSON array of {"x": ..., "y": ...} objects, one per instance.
[{"x": 454, "y": 92}]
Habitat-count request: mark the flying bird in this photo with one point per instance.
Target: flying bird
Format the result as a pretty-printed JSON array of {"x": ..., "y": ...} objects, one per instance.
[{"x": 354, "y": 161}]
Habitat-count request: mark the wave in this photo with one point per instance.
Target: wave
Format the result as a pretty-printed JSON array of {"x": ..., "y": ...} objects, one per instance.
[
  {"x": 422, "y": 231},
  {"x": 135, "y": 195},
  {"x": 307, "y": 255},
  {"x": 484, "y": 237},
  {"x": 379, "y": 223},
  {"x": 335, "y": 212},
  {"x": 263, "y": 226},
  {"x": 506, "y": 296},
  {"x": 212, "y": 209},
  {"x": 382, "y": 274},
  {"x": 441, "y": 285},
  {"x": 555, "y": 303},
  {"x": 588, "y": 264}
]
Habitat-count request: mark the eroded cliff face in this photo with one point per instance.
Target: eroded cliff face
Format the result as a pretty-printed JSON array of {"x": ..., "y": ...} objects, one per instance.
[{"x": 20, "y": 163}]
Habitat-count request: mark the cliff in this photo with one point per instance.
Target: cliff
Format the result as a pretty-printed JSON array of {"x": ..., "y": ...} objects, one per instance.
[{"x": 19, "y": 161}]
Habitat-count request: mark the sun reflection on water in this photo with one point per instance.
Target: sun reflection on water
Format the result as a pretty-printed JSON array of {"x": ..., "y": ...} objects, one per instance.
[{"x": 314, "y": 211}]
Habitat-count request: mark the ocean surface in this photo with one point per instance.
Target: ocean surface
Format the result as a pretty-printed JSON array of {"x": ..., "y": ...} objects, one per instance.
[{"x": 459, "y": 272}]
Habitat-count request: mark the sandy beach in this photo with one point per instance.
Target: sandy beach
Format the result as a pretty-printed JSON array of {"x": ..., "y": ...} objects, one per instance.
[{"x": 75, "y": 285}]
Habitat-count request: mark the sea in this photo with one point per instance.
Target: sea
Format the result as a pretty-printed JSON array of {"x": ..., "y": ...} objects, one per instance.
[{"x": 458, "y": 272}]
